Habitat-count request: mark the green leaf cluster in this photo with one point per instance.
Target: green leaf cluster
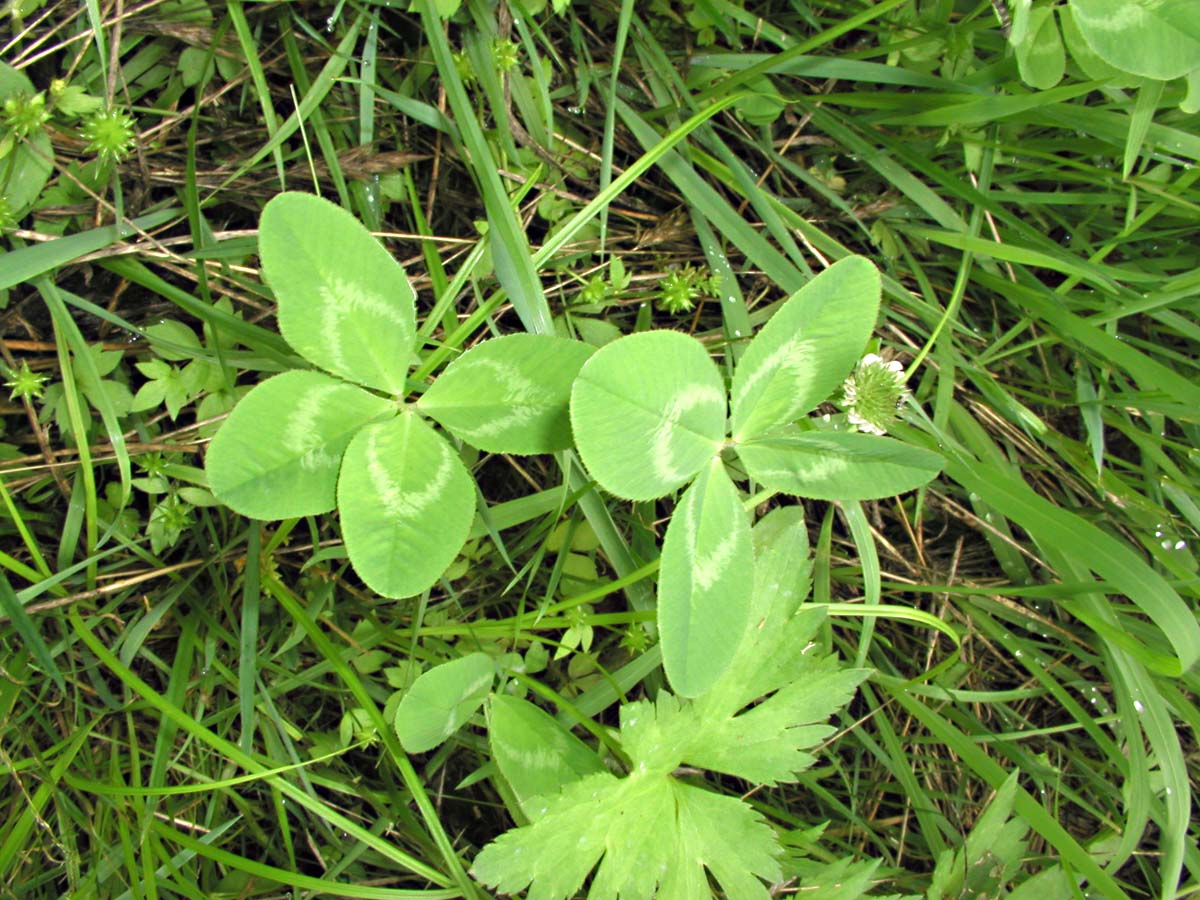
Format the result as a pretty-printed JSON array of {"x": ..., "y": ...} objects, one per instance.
[
  {"x": 305, "y": 441},
  {"x": 26, "y": 157},
  {"x": 649, "y": 414},
  {"x": 1126, "y": 43},
  {"x": 656, "y": 831}
]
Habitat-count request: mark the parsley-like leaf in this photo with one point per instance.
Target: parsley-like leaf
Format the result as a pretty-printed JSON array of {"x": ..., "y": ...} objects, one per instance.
[
  {"x": 651, "y": 833},
  {"x": 646, "y": 831}
]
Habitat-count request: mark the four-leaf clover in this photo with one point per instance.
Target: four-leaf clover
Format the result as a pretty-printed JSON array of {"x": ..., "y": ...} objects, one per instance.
[{"x": 304, "y": 441}]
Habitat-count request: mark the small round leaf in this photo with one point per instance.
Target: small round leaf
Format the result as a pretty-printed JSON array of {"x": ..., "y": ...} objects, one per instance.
[
  {"x": 406, "y": 501},
  {"x": 344, "y": 302},
  {"x": 510, "y": 394},
  {"x": 442, "y": 700},
  {"x": 648, "y": 412}
]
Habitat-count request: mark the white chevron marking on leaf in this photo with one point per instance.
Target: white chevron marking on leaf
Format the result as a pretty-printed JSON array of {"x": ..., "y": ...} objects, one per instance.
[
  {"x": 1117, "y": 19},
  {"x": 661, "y": 449},
  {"x": 783, "y": 359},
  {"x": 344, "y": 299},
  {"x": 470, "y": 691},
  {"x": 705, "y": 572},
  {"x": 399, "y": 503},
  {"x": 301, "y": 433},
  {"x": 707, "y": 569},
  {"x": 520, "y": 400},
  {"x": 540, "y": 758}
]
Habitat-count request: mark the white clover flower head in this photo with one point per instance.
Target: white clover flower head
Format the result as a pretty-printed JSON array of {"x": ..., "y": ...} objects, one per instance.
[{"x": 874, "y": 393}]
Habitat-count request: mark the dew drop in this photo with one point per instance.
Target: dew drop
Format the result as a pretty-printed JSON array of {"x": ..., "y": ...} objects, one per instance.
[{"x": 1137, "y": 704}]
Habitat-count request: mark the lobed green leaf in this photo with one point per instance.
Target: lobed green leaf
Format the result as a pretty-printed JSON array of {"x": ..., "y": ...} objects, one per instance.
[
  {"x": 782, "y": 567},
  {"x": 766, "y": 744},
  {"x": 650, "y": 836}
]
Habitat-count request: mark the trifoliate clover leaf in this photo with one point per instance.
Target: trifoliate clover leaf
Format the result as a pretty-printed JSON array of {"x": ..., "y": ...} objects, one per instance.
[{"x": 651, "y": 833}]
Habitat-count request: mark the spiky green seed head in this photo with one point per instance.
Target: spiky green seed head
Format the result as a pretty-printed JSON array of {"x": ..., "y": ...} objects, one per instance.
[
  {"x": 508, "y": 55},
  {"x": 25, "y": 383},
  {"x": 110, "y": 135},
  {"x": 26, "y": 115}
]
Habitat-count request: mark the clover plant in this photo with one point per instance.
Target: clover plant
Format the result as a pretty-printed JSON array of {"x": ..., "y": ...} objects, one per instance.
[
  {"x": 649, "y": 417},
  {"x": 305, "y": 441},
  {"x": 1126, "y": 43}
]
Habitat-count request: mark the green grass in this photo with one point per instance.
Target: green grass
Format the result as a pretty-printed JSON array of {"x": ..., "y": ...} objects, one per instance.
[{"x": 196, "y": 705}]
